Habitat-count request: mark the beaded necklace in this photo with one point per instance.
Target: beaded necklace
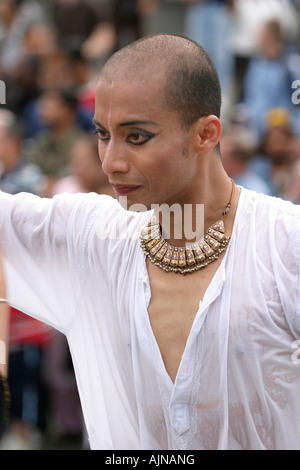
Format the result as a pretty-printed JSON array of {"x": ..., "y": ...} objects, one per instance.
[{"x": 190, "y": 258}]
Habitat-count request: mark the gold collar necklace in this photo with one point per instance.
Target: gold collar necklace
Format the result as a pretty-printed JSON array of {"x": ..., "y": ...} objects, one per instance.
[{"x": 190, "y": 258}]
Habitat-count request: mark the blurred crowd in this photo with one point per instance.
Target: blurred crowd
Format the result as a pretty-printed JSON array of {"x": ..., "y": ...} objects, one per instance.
[{"x": 50, "y": 56}]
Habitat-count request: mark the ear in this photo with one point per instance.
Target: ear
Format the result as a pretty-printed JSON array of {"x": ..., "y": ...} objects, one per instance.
[{"x": 207, "y": 132}]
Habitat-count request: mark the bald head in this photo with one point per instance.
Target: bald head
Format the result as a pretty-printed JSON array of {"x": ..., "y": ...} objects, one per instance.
[{"x": 190, "y": 83}]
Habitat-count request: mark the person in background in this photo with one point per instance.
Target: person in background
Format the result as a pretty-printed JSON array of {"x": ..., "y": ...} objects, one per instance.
[
  {"x": 85, "y": 17},
  {"x": 237, "y": 151},
  {"x": 15, "y": 18},
  {"x": 248, "y": 16},
  {"x": 50, "y": 148},
  {"x": 127, "y": 18},
  {"x": 22, "y": 89},
  {"x": 209, "y": 22},
  {"x": 269, "y": 78},
  {"x": 16, "y": 174},
  {"x": 60, "y": 70},
  {"x": 274, "y": 159},
  {"x": 86, "y": 174},
  {"x": 91, "y": 26}
]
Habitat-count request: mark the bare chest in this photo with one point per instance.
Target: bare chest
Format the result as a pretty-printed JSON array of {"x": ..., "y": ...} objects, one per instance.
[{"x": 174, "y": 303}]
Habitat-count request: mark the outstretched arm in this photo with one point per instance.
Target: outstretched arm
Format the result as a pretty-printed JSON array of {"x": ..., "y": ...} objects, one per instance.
[
  {"x": 35, "y": 246},
  {"x": 44, "y": 243}
]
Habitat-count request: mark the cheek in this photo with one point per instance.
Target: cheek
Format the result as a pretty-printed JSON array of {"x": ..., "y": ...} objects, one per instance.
[
  {"x": 99, "y": 151},
  {"x": 170, "y": 157},
  {"x": 171, "y": 174},
  {"x": 160, "y": 170},
  {"x": 175, "y": 161}
]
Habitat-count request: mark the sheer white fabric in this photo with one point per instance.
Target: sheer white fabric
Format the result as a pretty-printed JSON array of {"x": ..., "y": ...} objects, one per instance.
[{"x": 75, "y": 263}]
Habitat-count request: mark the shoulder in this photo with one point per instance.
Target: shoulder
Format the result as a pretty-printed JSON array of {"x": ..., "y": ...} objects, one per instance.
[
  {"x": 270, "y": 207},
  {"x": 102, "y": 204},
  {"x": 88, "y": 207},
  {"x": 271, "y": 240},
  {"x": 106, "y": 218},
  {"x": 273, "y": 224}
]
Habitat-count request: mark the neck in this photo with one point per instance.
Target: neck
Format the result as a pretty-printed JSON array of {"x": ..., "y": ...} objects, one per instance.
[
  {"x": 186, "y": 223},
  {"x": 216, "y": 193}
]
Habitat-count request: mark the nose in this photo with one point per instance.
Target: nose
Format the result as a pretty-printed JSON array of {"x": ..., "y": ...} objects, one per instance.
[{"x": 113, "y": 158}]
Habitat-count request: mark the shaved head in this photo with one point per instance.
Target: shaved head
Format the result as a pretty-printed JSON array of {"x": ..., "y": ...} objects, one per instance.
[{"x": 190, "y": 83}]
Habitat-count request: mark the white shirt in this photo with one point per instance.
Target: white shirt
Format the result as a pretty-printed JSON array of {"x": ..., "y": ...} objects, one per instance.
[{"x": 238, "y": 382}]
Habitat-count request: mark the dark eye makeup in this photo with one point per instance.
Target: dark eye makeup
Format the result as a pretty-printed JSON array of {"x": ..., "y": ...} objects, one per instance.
[
  {"x": 138, "y": 137},
  {"x": 134, "y": 137},
  {"x": 102, "y": 135}
]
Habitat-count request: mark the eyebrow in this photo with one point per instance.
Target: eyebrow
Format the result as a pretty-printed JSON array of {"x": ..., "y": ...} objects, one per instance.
[
  {"x": 128, "y": 123},
  {"x": 135, "y": 123},
  {"x": 96, "y": 123}
]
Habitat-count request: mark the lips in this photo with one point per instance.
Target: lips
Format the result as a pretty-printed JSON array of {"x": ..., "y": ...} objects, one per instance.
[{"x": 124, "y": 190}]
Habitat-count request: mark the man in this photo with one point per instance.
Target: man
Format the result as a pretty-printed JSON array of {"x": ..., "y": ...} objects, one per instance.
[{"x": 166, "y": 360}]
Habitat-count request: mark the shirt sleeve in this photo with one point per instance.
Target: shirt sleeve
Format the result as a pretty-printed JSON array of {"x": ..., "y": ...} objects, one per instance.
[
  {"x": 36, "y": 244},
  {"x": 297, "y": 250},
  {"x": 285, "y": 254}
]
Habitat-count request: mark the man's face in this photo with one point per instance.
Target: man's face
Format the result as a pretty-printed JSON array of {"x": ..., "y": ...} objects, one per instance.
[{"x": 143, "y": 148}]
